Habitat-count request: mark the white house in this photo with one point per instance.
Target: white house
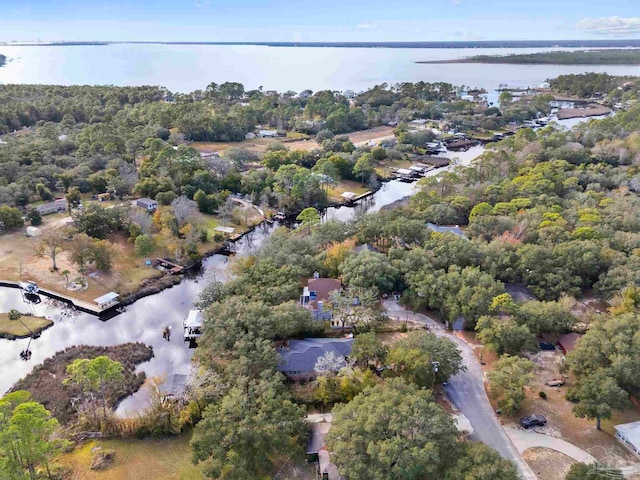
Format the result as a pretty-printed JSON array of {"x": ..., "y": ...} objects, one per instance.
[
  {"x": 268, "y": 133},
  {"x": 629, "y": 435}
]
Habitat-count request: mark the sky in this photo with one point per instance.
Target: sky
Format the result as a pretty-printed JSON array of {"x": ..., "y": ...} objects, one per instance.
[{"x": 313, "y": 20}]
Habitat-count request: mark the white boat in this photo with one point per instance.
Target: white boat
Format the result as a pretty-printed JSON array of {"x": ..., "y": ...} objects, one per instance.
[
  {"x": 30, "y": 287},
  {"x": 192, "y": 325}
]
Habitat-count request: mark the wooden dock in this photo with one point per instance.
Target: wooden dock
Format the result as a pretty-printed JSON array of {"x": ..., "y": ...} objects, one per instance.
[{"x": 78, "y": 304}]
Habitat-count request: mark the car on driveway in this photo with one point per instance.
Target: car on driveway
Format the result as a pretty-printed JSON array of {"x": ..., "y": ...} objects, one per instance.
[
  {"x": 546, "y": 346},
  {"x": 533, "y": 421}
]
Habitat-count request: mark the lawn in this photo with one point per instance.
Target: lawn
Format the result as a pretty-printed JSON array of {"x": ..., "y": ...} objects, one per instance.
[
  {"x": 152, "y": 458},
  {"x": 346, "y": 186},
  {"x": 15, "y": 328}
]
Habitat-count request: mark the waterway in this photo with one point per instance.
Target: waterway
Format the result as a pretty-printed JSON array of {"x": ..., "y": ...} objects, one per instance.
[
  {"x": 144, "y": 320},
  {"x": 185, "y": 68}
]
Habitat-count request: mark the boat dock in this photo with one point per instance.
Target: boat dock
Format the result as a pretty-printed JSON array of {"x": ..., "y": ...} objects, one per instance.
[{"x": 102, "y": 305}]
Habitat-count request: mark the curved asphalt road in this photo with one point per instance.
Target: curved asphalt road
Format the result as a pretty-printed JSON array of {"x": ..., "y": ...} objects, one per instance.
[{"x": 466, "y": 391}]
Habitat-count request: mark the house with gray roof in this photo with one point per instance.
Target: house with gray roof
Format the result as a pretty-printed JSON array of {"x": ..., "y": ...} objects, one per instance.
[
  {"x": 58, "y": 205},
  {"x": 455, "y": 229},
  {"x": 298, "y": 357}
]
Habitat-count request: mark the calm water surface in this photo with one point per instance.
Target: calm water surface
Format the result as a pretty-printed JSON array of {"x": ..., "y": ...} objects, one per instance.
[{"x": 186, "y": 68}]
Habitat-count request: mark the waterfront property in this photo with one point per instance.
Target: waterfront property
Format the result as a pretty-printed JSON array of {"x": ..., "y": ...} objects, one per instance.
[
  {"x": 316, "y": 294},
  {"x": 298, "y": 358},
  {"x": 107, "y": 300}
]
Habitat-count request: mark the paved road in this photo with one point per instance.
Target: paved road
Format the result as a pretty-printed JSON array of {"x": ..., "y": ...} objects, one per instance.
[{"x": 466, "y": 391}]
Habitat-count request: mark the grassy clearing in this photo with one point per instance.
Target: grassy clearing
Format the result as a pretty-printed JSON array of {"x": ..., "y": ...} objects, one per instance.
[
  {"x": 15, "y": 328},
  {"x": 346, "y": 186},
  {"x": 151, "y": 458}
]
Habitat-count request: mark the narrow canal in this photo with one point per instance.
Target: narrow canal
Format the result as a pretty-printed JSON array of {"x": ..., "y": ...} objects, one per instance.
[{"x": 144, "y": 320}]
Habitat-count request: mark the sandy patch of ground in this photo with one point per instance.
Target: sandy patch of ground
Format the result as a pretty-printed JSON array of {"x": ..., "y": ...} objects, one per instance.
[
  {"x": 259, "y": 145},
  {"x": 548, "y": 464}
]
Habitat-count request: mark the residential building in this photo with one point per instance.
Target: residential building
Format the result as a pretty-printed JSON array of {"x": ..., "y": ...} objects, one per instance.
[
  {"x": 268, "y": 133},
  {"x": 148, "y": 204},
  {"x": 316, "y": 295},
  {"x": 629, "y": 436},
  {"x": 298, "y": 357},
  {"x": 58, "y": 205}
]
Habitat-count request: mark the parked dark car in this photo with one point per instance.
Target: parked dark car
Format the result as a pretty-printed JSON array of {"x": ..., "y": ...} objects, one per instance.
[
  {"x": 533, "y": 421},
  {"x": 546, "y": 346}
]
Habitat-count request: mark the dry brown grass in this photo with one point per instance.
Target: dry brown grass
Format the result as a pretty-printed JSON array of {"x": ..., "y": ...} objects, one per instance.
[
  {"x": 15, "y": 328},
  {"x": 151, "y": 458},
  {"x": 548, "y": 464},
  {"x": 259, "y": 145},
  {"x": 562, "y": 422}
]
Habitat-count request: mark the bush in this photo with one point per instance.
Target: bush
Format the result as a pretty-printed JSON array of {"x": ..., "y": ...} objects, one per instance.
[
  {"x": 34, "y": 217},
  {"x": 543, "y": 395}
]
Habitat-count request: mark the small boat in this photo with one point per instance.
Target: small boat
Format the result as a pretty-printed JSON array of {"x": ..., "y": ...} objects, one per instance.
[{"x": 30, "y": 288}]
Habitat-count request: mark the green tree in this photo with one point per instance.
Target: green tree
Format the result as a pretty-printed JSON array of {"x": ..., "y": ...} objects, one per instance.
[
  {"x": 382, "y": 434},
  {"x": 424, "y": 359},
  {"x": 507, "y": 381},
  {"x": 144, "y": 245},
  {"x": 593, "y": 471},
  {"x": 95, "y": 376},
  {"x": 26, "y": 430},
  {"x": 34, "y": 217},
  {"x": 368, "y": 349},
  {"x": 503, "y": 304},
  {"x": 11, "y": 217},
  {"x": 240, "y": 436},
  {"x": 43, "y": 192},
  {"x": 14, "y": 315},
  {"x": 599, "y": 395},
  {"x": 73, "y": 197},
  {"x": 479, "y": 462},
  {"x": 370, "y": 269},
  {"x": 505, "y": 335},
  {"x": 505, "y": 98},
  {"x": 309, "y": 217},
  {"x": 102, "y": 255},
  {"x": 545, "y": 317}
]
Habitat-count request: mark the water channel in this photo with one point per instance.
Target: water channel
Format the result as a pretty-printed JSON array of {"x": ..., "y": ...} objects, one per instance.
[{"x": 144, "y": 320}]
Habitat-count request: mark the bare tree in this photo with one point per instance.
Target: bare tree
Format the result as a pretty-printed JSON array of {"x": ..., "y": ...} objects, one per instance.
[
  {"x": 183, "y": 209},
  {"x": 143, "y": 220},
  {"x": 328, "y": 363},
  {"x": 51, "y": 245}
]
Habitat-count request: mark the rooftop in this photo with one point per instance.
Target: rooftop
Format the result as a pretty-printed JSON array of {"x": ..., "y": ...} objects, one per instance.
[
  {"x": 631, "y": 432},
  {"x": 455, "y": 229},
  {"x": 323, "y": 287},
  {"x": 106, "y": 298},
  {"x": 301, "y": 355}
]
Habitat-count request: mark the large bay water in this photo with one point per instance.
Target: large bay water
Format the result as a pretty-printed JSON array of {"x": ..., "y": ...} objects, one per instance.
[{"x": 185, "y": 68}]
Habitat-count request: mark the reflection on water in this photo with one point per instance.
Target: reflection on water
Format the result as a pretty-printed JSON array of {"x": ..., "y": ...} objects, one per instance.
[{"x": 145, "y": 319}]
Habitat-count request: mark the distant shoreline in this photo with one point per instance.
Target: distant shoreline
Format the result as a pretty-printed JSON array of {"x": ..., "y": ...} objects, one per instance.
[
  {"x": 425, "y": 45},
  {"x": 580, "y": 57}
]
